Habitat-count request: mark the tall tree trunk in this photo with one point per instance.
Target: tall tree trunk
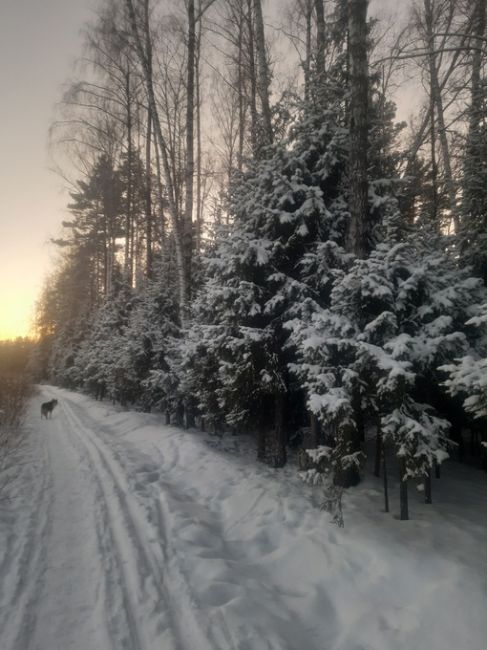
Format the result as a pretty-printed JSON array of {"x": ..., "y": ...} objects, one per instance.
[
  {"x": 263, "y": 80},
  {"x": 276, "y": 449},
  {"x": 148, "y": 169},
  {"x": 403, "y": 491},
  {"x": 189, "y": 172},
  {"x": 434, "y": 168},
  {"x": 129, "y": 199},
  {"x": 475, "y": 113},
  {"x": 378, "y": 450},
  {"x": 106, "y": 280},
  {"x": 320, "y": 37},
  {"x": 199, "y": 203},
  {"x": 474, "y": 142},
  {"x": 307, "y": 58},
  {"x": 358, "y": 235},
  {"x": 314, "y": 431},
  {"x": 148, "y": 199},
  {"x": 427, "y": 487},
  {"x": 160, "y": 200},
  {"x": 440, "y": 113},
  {"x": 240, "y": 89},
  {"x": 347, "y": 474},
  {"x": 385, "y": 478},
  {"x": 261, "y": 442},
  {"x": 252, "y": 78}
]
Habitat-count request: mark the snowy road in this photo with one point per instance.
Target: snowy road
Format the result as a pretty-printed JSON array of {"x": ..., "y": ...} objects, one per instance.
[
  {"x": 117, "y": 532},
  {"x": 91, "y": 572}
]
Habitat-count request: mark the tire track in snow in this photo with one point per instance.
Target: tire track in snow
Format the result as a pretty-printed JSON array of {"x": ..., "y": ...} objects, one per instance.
[
  {"x": 110, "y": 620},
  {"x": 194, "y": 538},
  {"x": 222, "y": 636},
  {"x": 22, "y": 568},
  {"x": 122, "y": 584},
  {"x": 145, "y": 564},
  {"x": 161, "y": 494}
]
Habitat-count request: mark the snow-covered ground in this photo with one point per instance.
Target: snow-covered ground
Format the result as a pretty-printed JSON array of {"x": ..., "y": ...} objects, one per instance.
[{"x": 118, "y": 532}]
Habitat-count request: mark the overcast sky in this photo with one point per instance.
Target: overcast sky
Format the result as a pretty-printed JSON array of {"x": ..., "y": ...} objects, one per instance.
[{"x": 39, "y": 40}]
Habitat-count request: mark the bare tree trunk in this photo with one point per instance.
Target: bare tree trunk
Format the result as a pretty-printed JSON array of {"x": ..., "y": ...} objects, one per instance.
[
  {"x": 129, "y": 200},
  {"x": 427, "y": 487},
  {"x": 478, "y": 21},
  {"x": 378, "y": 451},
  {"x": 252, "y": 78},
  {"x": 438, "y": 102},
  {"x": 385, "y": 478},
  {"x": 199, "y": 206},
  {"x": 403, "y": 491},
  {"x": 106, "y": 281},
  {"x": 263, "y": 81},
  {"x": 189, "y": 418},
  {"x": 148, "y": 169},
  {"x": 474, "y": 142},
  {"x": 240, "y": 90},
  {"x": 358, "y": 235},
  {"x": 189, "y": 172},
  {"x": 148, "y": 198},
  {"x": 307, "y": 58},
  {"x": 160, "y": 200},
  {"x": 320, "y": 37},
  {"x": 434, "y": 167},
  {"x": 276, "y": 443},
  {"x": 261, "y": 443},
  {"x": 314, "y": 431}
]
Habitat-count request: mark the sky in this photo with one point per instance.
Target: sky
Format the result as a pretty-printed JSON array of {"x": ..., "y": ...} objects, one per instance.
[{"x": 39, "y": 41}]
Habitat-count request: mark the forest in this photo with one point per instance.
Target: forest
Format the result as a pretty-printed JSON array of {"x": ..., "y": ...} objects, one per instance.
[
  {"x": 15, "y": 390},
  {"x": 255, "y": 243}
]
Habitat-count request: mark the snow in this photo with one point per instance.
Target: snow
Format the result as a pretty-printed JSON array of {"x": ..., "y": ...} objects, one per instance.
[
  {"x": 118, "y": 532},
  {"x": 320, "y": 452},
  {"x": 332, "y": 402}
]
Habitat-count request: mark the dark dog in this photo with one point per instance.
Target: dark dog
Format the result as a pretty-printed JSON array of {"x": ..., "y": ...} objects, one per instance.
[{"x": 47, "y": 408}]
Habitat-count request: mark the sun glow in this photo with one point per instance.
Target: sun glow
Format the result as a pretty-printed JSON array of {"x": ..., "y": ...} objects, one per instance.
[{"x": 16, "y": 309}]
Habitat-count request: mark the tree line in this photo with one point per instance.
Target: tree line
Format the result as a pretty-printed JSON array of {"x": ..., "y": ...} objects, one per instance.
[
  {"x": 273, "y": 251},
  {"x": 15, "y": 390}
]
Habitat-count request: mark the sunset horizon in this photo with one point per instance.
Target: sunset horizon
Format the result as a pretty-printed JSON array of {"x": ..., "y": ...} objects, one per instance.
[
  {"x": 17, "y": 315},
  {"x": 32, "y": 200}
]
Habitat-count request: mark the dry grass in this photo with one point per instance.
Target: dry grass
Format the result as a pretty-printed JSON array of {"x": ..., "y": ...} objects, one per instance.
[{"x": 15, "y": 391}]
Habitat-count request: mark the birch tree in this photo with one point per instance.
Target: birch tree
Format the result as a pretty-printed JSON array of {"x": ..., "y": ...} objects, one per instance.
[
  {"x": 140, "y": 28},
  {"x": 263, "y": 77}
]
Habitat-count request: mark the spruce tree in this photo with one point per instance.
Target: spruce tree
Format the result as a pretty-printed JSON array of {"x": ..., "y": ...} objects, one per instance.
[
  {"x": 393, "y": 320},
  {"x": 288, "y": 213}
]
